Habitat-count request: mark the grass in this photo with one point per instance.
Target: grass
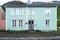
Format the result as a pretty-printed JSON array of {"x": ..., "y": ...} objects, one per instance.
[
  {"x": 12, "y": 31},
  {"x": 58, "y": 16},
  {"x": 56, "y": 32},
  {"x": 20, "y": 31},
  {"x": 58, "y": 23}
]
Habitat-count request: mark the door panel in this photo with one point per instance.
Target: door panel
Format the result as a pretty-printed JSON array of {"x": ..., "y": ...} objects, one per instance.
[{"x": 31, "y": 25}]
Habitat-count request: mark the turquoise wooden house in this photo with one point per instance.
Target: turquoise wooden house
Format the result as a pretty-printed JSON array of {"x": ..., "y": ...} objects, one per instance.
[{"x": 30, "y": 16}]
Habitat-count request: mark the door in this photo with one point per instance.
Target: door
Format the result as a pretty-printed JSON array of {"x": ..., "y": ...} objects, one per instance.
[{"x": 31, "y": 25}]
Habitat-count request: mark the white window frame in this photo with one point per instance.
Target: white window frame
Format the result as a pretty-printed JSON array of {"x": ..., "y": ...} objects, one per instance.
[
  {"x": 14, "y": 23},
  {"x": 18, "y": 11},
  {"x": 49, "y": 23},
  {"x": 22, "y": 11},
  {"x": 12, "y": 13},
  {"x": 30, "y": 10},
  {"x": 47, "y": 11},
  {"x": 20, "y": 23}
]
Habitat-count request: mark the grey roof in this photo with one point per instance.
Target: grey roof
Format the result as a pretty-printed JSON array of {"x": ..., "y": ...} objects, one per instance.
[
  {"x": 56, "y": 2},
  {"x": 21, "y": 4},
  {"x": 15, "y": 3}
]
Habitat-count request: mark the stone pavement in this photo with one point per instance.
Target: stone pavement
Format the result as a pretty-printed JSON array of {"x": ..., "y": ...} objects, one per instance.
[
  {"x": 28, "y": 34},
  {"x": 30, "y": 38}
]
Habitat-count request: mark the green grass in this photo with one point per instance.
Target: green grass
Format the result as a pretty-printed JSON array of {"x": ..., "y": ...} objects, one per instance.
[
  {"x": 56, "y": 32},
  {"x": 58, "y": 23},
  {"x": 52, "y": 31},
  {"x": 58, "y": 16},
  {"x": 20, "y": 31},
  {"x": 12, "y": 31}
]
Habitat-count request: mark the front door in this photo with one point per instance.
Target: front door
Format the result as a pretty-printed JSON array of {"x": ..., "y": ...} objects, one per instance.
[{"x": 31, "y": 25}]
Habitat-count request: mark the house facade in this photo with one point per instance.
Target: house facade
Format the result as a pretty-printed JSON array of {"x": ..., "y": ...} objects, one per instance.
[{"x": 23, "y": 16}]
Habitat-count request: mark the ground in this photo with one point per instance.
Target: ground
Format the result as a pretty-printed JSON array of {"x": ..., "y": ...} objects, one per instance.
[
  {"x": 28, "y": 34},
  {"x": 10, "y": 33}
]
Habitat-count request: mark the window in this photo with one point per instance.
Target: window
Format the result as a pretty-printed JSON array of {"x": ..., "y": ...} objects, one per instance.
[
  {"x": 13, "y": 23},
  {"x": 47, "y": 23},
  {"x": 47, "y": 11},
  {"x": 22, "y": 10},
  {"x": 20, "y": 22},
  {"x": 31, "y": 11},
  {"x": 16, "y": 11},
  {"x": 13, "y": 11}
]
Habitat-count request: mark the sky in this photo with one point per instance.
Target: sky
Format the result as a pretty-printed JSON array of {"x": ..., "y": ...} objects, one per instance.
[{"x": 5, "y": 1}]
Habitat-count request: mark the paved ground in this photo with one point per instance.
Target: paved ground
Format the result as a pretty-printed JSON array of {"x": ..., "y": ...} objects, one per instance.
[
  {"x": 28, "y": 34},
  {"x": 31, "y": 38}
]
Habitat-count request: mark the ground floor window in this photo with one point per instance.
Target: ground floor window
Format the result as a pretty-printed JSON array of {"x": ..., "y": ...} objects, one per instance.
[
  {"x": 20, "y": 23},
  {"x": 47, "y": 23},
  {"x": 17, "y": 22},
  {"x": 13, "y": 23}
]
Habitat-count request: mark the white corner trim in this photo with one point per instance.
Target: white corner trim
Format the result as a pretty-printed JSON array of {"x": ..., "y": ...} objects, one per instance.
[
  {"x": 56, "y": 18},
  {"x": 26, "y": 17},
  {"x": 6, "y": 18}
]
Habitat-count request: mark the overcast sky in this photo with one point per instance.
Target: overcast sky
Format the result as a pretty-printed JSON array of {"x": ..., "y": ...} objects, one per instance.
[{"x": 4, "y": 1}]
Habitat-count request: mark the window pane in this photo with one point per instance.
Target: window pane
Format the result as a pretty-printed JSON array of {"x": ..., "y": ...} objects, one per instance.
[
  {"x": 47, "y": 11},
  {"x": 22, "y": 11},
  {"x": 20, "y": 23},
  {"x": 16, "y": 11},
  {"x": 47, "y": 22},
  {"x": 13, "y": 22},
  {"x": 30, "y": 11},
  {"x": 13, "y": 11}
]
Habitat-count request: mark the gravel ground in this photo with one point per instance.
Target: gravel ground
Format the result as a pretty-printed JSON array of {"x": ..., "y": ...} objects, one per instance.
[
  {"x": 30, "y": 38},
  {"x": 28, "y": 34}
]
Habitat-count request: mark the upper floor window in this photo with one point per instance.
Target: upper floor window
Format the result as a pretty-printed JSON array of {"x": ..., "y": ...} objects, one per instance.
[
  {"x": 16, "y": 11},
  {"x": 30, "y": 11},
  {"x": 47, "y": 11}
]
